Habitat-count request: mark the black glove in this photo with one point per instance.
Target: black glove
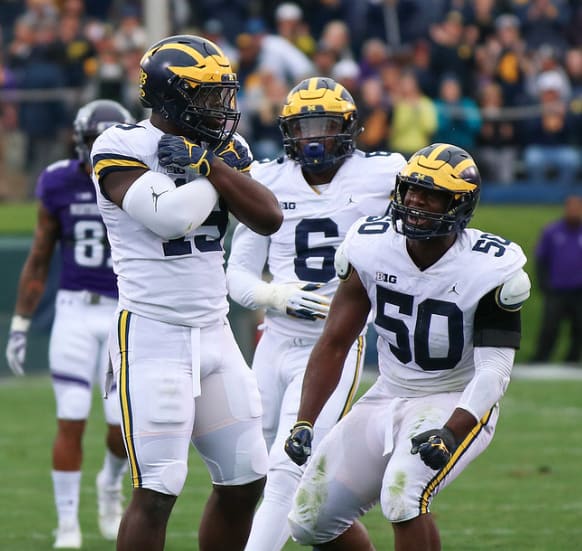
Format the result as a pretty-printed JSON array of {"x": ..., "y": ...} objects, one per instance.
[
  {"x": 298, "y": 443},
  {"x": 235, "y": 155},
  {"x": 181, "y": 156},
  {"x": 435, "y": 447}
]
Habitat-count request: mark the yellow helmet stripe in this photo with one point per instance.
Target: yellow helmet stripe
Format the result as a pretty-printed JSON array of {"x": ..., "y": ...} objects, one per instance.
[
  {"x": 192, "y": 72},
  {"x": 434, "y": 154}
]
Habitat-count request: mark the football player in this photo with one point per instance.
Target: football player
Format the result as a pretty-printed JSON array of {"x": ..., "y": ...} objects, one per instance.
[
  {"x": 445, "y": 302},
  {"x": 323, "y": 184},
  {"x": 165, "y": 189},
  {"x": 85, "y": 304}
]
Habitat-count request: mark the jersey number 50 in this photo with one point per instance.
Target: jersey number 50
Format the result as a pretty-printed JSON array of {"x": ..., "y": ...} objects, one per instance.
[{"x": 424, "y": 313}]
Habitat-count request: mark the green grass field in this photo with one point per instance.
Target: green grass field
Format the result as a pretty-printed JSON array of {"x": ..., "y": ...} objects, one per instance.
[{"x": 522, "y": 494}]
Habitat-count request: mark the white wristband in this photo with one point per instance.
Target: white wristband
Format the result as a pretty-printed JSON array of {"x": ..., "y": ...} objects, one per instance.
[{"x": 19, "y": 323}]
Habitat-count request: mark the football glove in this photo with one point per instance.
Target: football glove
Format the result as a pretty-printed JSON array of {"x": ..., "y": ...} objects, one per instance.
[
  {"x": 298, "y": 443},
  {"x": 178, "y": 155},
  {"x": 435, "y": 447},
  {"x": 294, "y": 299},
  {"x": 235, "y": 155},
  {"x": 16, "y": 346}
]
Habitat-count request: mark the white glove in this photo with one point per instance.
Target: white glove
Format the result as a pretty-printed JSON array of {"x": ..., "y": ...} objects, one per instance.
[
  {"x": 16, "y": 347},
  {"x": 294, "y": 299}
]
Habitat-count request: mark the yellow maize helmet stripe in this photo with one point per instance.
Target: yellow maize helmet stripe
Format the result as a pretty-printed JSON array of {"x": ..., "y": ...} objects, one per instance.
[
  {"x": 437, "y": 165},
  {"x": 314, "y": 96},
  {"x": 208, "y": 67}
]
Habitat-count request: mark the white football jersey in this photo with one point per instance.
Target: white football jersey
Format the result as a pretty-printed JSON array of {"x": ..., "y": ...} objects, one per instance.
[
  {"x": 316, "y": 220},
  {"x": 425, "y": 318},
  {"x": 178, "y": 281}
]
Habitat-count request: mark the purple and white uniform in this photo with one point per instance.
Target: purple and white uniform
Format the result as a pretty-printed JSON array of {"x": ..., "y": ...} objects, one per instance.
[{"x": 87, "y": 295}]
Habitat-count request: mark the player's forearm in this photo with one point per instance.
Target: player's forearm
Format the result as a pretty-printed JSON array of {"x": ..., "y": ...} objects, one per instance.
[
  {"x": 31, "y": 287},
  {"x": 461, "y": 423},
  {"x": 242, "y": 285},
  {"x": 252, "y": 203},
  {"x": 321, "y": 377}
]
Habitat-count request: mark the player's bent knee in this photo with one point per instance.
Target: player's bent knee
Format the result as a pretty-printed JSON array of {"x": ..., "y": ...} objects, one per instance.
[
  {"x": 300, "y": 533},
  {"x": 172, "y": 478},
  {"x": 73, "y": 402},
  {"x": 397, "y": 509}
]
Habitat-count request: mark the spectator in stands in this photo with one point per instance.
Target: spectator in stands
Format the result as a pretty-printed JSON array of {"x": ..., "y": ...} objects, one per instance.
[
  {"x": 78, "y": 50},
  {"x": 414, "y": 118},
  {"x": 278, "y": 56},
  {"x": 290, "y": 25},
  {"x": 449, "y": 52},
  {"x": 544, "y": 22},
  {"x": 43, "y": 118},
  {"x": 347, "y": 73},
  {"x": 374, "y": 115},
  {"x": 129, "y": 33},
  {"x": 336, "y": 34},
  {"x": 550, "y": 137},
  {"x": 511, "y": 62},
  {"x": 214, "y": 31},
  {"x": 324, "y": 59},
  {"x": 559, "y": 271},
  {"x": 459, "y": 120},
  {"x": 375, "y": 53},
  {"x": 497, "y": 140},
  {"x": 546, "y": 58},
  {"x": 573, "y": 65},
  {"x": 19, "y": 48}
]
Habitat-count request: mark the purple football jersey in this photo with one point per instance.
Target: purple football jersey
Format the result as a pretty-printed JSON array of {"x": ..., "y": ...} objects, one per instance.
[{"x": 67, "y": 192}]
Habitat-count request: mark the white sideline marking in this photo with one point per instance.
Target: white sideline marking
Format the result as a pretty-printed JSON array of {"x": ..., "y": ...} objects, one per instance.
[
  {"x": 547, "y": 372},
  {"x": 539, "y": 372}
]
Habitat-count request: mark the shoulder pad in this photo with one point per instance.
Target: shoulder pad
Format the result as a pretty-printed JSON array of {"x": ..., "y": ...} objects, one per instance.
[
  {"x": 341, "y": 263},
  {"x": 514, "y": 292}
]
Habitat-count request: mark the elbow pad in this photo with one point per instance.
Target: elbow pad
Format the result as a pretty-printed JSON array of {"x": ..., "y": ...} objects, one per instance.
[
  {"x": 169, "y": 211},
  {"x": 341, "y": 263}
]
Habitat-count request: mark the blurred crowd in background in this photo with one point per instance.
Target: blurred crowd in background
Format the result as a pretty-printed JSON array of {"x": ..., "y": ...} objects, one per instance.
[{"x": 501, "y": 78}]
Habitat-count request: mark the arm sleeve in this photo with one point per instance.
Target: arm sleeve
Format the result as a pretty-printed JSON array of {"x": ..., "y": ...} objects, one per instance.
[
  {"x": 494, "y": 325},
  {"x": 492, "y": 373},
  {"x": 169, "y": 211},
  {"x": 245, "y": 265}
]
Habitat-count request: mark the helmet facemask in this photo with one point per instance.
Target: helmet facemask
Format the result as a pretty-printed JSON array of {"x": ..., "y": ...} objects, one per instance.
[
  {"x": 416, "y": 223},
  {"x": 319, "y": 142},
  {"x": 206, "y": 112}
]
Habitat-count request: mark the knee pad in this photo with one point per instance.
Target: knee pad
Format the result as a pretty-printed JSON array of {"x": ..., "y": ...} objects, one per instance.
[
  {"x": 172, "y": 478},
  {"x": 300, "y": 533},
  {"x": 73, "y": 401},
  {"x": 397, "y": 508}
]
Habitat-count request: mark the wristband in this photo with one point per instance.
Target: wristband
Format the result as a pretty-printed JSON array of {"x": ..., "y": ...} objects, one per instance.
[{"x": 19, "y": 324}]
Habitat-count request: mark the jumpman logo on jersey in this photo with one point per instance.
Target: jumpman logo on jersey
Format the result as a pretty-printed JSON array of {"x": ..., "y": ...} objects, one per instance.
[
  {"x": 350, "y": 200},
  {"x": 156, "y": 196},
  {"x": 453, "y": 289}
]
